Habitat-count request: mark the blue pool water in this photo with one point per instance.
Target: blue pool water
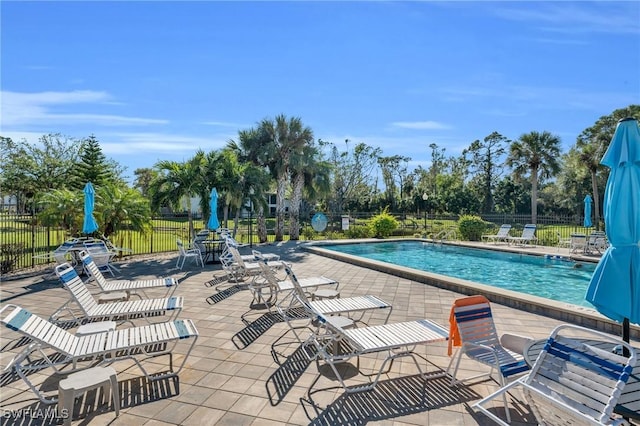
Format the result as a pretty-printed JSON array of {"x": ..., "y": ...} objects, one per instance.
[{"x": 551, "y": 278}]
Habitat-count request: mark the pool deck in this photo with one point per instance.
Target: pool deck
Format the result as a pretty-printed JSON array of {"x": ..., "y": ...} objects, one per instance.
[{"x": 231, "y": 377}]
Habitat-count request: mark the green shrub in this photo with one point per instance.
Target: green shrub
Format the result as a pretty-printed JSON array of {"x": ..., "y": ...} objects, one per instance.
[
  {"x": 334, "y": 235},
  {"x": 308, "y": 233},
  {"x": 358, "y": 231},
  {"x": 9, "y": 254},
  {"x": 471, "y": 227},
  {"x": 383, "y": 224}
]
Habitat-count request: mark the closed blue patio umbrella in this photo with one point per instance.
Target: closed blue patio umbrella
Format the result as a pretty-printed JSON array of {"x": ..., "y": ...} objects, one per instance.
[
  {"x": 213, "y": 223},
  {"x": 587, "y": 211},
  {"x": 89, "y": 224},
  {"x": 615, "y": 285}
]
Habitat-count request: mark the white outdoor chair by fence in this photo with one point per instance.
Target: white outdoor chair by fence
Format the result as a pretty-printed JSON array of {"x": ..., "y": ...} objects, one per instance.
[
  {"x": 137, "y": 344},
  {"x": 186, "y": 253},
  {"x": 101, "y": 255},
  {"x": 60, "y": 254},
  {"x": 597, "y": 241},
  {"x": 578, "y": 243},
  {"x": 528, "y": 236},
  {"x": 501, "y": 235}
]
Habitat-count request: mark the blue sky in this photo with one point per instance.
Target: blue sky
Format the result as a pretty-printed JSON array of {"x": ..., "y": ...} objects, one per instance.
[{"x": 158, "y": 80}]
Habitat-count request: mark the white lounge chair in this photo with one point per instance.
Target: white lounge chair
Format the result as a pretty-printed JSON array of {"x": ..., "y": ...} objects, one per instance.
[
  {"x": 240, "y": 268},
  {"x": 135, "y": 343},
  {"x": 528, "y": 236},
  {"x": 397, "y": 340},
  {"x": 267, "y": 281},
  {"x": 185, "y": 253},
  {"x": 253, "y": 257},
  {"x": 351, "y": 309},
  {"x": 472, "y": 328},
  {"x": 578, "y": 243},
  {"x": 128, "y": 310},
  {"x": 135, "y": 287},
  {"x": 501, "y": 235},
  {"x": 572, "y": 382}
]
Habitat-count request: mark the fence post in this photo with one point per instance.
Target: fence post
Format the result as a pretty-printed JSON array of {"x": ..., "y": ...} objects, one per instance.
[{"x": 33, "y": 242}]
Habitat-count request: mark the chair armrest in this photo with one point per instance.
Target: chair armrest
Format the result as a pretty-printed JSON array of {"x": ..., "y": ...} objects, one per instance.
[{"x": 515, "y": 342}]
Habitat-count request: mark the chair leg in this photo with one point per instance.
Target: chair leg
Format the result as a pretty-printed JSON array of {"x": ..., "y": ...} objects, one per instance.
[
  {"x": 115, "y": 394},
  {"x": 456, "y": 359}
]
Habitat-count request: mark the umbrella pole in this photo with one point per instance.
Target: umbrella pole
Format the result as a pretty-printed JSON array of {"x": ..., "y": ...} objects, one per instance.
[{"x": 625, "y": 335}]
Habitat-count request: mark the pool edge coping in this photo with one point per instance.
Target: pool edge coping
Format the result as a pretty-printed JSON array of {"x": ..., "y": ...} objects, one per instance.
[{"x": 586, "y": 317}]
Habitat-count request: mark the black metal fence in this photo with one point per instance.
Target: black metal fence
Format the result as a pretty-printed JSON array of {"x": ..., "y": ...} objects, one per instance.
[{"x": 22, "y": 240}]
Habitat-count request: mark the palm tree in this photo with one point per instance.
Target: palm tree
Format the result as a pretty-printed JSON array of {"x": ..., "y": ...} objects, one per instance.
[
  {"x": 122, "y": 205},
  {"x": 116, "y": 205},
  {"x": 310, "y": 175},
  {"x": 229, "y": 174},
  {"x": 250, "y": 149},
  {"x": 538, "y": 154},
  {"x": 63, "y": 208},
  {"x": 175, "y": 181},
  {"x": 286, "y": 137}
]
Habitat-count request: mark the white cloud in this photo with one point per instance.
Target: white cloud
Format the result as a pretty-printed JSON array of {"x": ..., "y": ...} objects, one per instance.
[
  {"x": 422, "y": 125},
  {"x": 577, "y": 18},
  {"x": 146, "y": 143},
  {"x": 37, "y": 109},
  {"x": 224, "y": 124},
  {"x": 529, "y": 97}
]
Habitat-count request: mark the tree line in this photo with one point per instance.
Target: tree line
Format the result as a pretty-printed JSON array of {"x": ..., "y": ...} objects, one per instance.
[{"x": 494, "y": 174}]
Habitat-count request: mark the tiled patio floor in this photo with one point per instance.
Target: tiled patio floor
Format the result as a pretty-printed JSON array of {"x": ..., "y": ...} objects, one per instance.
[{"x": 231, "y": 377}]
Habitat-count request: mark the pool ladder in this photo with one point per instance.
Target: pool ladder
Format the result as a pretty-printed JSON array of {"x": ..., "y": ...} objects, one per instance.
[{"x": 445, "y": 235}]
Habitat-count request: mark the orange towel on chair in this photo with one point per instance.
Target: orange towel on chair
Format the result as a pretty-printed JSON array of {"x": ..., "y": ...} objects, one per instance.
[{"x": 454, "y": 334}]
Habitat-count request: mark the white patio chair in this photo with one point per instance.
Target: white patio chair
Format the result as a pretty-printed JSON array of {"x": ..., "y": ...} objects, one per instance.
[
  {"x": 563, "y": 242},
  {"x": 472, "y": 328},
  {"x": 578, "y": 243},
  {"x": 136, "y": 287},
  {"x": 240, "y": 268},
  {"x": 351, "y": 309},
  {"x": 572, "y": 382},
  {"x": 501, "y": 235},
  {"x": 528, "y": 236},
  {"x": 102, "y": 256},
  {"x": 138, "y": 343},
  {"x": 397, "y": 340},
  {"x": 60, "y": 254},
  {"x": 597, "y": 241},
  {"x": 184, "y": 253},
  {"x": 128, "y": 310}
]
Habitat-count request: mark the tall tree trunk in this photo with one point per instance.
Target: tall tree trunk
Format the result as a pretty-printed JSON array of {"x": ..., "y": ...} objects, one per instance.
[
  {"x": 262, "y": 225},
  {"x": 534, "y": 195},
  {"x": 280, "y": 207},
  {"x": 192, "y": 234},
  {"x": 294, "y": 208},
  {"x": 596, "y": 199},
  {"x": 236, "y": 220}
]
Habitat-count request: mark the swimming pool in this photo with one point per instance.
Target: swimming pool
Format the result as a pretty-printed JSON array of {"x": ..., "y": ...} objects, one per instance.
[{"x": 548, "y": 277}]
